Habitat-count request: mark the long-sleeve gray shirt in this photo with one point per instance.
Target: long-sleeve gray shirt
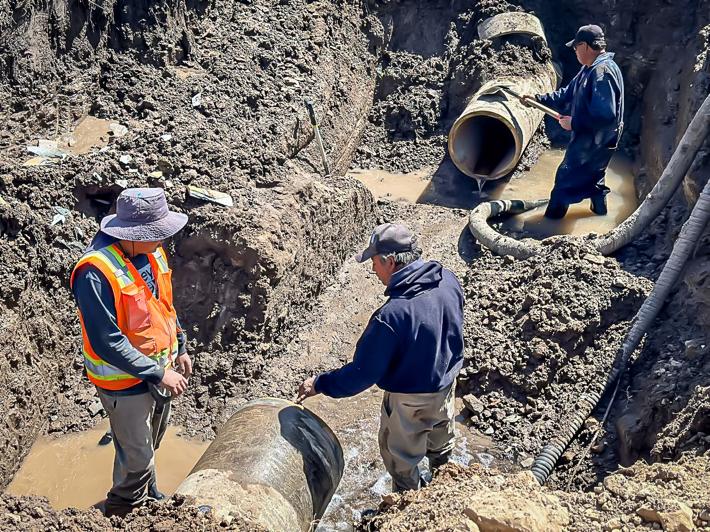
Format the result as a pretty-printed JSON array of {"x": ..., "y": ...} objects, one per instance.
[{"x": 94, "y": 297}]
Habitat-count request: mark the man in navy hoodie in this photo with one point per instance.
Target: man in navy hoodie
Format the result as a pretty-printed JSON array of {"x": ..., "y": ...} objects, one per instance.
[
  {"x": 412, "y": 348},
  {"x": 593, "y": 110}
]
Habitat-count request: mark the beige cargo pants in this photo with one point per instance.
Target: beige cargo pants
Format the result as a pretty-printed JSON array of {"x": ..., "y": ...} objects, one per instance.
[
  {"x": 412, "y": 426},
  {"x": 137, "y": 427}
]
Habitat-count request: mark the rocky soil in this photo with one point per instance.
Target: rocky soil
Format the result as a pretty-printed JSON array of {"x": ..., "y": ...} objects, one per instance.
[
  {"x": 642, "y": 497},
  {"x": 35, "y": 514}
]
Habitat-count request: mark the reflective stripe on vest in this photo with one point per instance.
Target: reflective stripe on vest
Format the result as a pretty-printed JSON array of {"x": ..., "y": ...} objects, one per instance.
[{"x": 120, "y": 276}]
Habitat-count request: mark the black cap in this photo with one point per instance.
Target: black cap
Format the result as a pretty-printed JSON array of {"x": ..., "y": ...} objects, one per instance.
[
  {"x": 387, "y": 238},
  {"x": 591, "y": 34}
]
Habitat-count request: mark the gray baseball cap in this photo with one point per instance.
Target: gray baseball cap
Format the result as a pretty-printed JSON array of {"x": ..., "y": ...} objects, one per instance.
[
  {"x": 142, "y": 215},
  {"x": 387, "y": 238}
]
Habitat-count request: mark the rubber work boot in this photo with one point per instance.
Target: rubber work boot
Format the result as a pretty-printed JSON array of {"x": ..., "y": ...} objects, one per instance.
[
  {"x": 556, "y": 210},
  {"x": 599, "y": 205},
  {"x": 153, "y": 492},
  {"x": 106, "y": 438}
]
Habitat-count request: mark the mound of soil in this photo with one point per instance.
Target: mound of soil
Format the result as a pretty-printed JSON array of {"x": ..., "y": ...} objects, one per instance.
[
  {"x": 643, "y": 497},
  {"x": 537, "y": 332},
  {"x": 427, "y": 76}
]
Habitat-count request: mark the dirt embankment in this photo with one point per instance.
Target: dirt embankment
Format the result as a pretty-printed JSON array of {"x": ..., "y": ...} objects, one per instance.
[
  {"x": 211, "y": 95},
  {"x": 661, "y": 496},
  {"x": 537, "y": 333},
  {"x": 178, "y": 515}
]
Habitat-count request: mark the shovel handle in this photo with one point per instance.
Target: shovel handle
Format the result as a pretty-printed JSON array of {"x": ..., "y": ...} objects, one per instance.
[
  {"x": 533, "y": 103},
  {"x": 545, "y": 109}
]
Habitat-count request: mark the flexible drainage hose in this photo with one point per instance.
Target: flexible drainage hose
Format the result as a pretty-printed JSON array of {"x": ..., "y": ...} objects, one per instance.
[{"x": 683, "y": 248}]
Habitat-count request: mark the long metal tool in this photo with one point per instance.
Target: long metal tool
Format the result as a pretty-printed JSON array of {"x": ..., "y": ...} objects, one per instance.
[
  {"x": 532, "y": 103},
  {"x": 316, "y": 130}
]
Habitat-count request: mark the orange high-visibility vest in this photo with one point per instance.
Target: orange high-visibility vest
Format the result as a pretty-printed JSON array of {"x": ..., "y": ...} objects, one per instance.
[{"x": 149, "y": 323}]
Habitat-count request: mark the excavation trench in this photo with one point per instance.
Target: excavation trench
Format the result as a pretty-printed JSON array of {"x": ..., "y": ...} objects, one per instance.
[{"x": 254, "y": 280}]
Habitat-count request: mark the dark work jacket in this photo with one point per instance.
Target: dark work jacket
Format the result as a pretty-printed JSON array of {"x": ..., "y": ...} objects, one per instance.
[
  {"x": 413, "y": 343},
  {"x": 595, "y": 101}
]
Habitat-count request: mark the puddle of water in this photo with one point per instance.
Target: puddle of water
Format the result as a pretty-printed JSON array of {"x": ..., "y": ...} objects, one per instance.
[
  {"x": 90, "y": 132},
  {"x": 537, "y": 184},
  {"x": 448, "y": 187},
  {"x": 395, "y": 187},
  {"x": 74, "y": 471},
  {"x": 356, "y": 422}
]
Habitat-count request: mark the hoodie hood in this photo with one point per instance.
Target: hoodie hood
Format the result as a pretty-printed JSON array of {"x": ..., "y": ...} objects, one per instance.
[{"x": 414, "y": 278}]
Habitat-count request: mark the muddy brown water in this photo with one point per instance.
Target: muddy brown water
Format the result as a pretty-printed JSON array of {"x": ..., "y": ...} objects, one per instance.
[
  {"x": 356, "y": 421},
  {"x": 74, "y": 471},
  {"x": 452, "y": 189}
]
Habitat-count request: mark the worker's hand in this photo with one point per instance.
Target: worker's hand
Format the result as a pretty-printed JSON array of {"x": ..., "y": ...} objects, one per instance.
[
  {"x": 174, "y": 382},
  {"x": 185, "y": 364},
  {"x": 566, "y": 122},
  {"x": 306, "y": 389}
]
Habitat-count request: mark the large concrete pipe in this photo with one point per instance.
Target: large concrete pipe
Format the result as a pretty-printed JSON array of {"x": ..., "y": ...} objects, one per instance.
[
  {"x": 273, "y": 463},
  {"x": 488, "y": 139},
  {"x": 513, "y": 23}
]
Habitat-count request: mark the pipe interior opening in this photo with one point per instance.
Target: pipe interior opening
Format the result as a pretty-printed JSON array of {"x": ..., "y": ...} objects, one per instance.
[{"x": 484, "y": 147}]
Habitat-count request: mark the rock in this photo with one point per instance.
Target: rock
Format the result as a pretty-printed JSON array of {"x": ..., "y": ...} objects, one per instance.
[
  {"x": 696, "y": 347},
  {"x": 509, "y": 511},
  {"x": 704, "y": 515},
  {"x": 464, "y": 525},
  {"x": 473, "y": 403},
  {"x": 95, "y": 407},
  {"x": 594, "y": 259},
  {"x": 567, "y": 457},
  {"x": 527, "y": 462},
  {"x": 679, "y": 519}
]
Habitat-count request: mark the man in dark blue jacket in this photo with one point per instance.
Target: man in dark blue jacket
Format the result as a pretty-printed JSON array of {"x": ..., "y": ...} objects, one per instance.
[
  {"x": 593, "y": 108},
  {"x": 412, "y": 348}
]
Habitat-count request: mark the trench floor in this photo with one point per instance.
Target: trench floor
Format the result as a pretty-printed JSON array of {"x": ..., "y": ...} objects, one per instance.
[{"x": 434, "y": 202}]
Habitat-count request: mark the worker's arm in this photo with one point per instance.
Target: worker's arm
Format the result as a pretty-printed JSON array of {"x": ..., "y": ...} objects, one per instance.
[
  {"x": 373, "y": 354},
  {"x": 560, "y": 100},
  {"x": 601, "y": 105},
  {"x": 95, "y": 300}
]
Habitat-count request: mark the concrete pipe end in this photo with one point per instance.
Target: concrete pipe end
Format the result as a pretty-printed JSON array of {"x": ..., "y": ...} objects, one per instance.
[{"x": 485, "y": 145}]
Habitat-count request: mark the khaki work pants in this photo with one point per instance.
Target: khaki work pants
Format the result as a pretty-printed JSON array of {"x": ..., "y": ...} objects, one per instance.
[
  {"x": 412, "y": 426},
  {"x": 137, "y": 427}
]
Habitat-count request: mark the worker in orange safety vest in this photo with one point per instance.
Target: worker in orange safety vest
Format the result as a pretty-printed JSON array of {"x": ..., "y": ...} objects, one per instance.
[{"x": 132, "y": 340}]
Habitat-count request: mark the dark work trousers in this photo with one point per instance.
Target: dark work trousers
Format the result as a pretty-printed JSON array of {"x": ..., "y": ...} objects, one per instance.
[{"x": 580, "y": 176}]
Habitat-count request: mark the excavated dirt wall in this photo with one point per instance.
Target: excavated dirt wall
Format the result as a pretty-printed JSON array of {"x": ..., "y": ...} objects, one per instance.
[{"x": 211, "y": 94}]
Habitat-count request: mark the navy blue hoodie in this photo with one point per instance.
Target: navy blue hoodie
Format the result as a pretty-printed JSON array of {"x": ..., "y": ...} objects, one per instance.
[{"x": 413, "y": 343}]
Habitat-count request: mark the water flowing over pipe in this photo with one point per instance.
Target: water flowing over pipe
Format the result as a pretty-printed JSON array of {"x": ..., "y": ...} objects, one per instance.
[
  {"x": 487, "y": 140},
  {"x": 274, "y": 463},
  {"x": 683, "y": 248}
]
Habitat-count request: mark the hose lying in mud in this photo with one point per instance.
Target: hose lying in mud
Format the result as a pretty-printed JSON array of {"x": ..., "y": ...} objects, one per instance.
[
  {"x": 489, "y": 237},
  {"x": 627, "y": 231},
  {"x": 487, "y": 140},
  {"x": 683, "y": 248},
  {"x": 273, "y": 463}
]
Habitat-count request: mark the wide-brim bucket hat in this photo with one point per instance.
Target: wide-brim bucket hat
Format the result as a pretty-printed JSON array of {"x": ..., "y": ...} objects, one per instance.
[{"x": 142, "y": 215}]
